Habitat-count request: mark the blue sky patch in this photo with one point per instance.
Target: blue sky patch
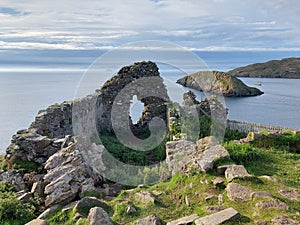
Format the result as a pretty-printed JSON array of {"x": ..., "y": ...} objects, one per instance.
[{"x": 11, "y": 11}]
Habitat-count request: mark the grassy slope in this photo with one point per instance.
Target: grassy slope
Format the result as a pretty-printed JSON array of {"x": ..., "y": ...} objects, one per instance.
[
  {"x": 285, "y": 68},
  {"x": 264, "y": 157}
]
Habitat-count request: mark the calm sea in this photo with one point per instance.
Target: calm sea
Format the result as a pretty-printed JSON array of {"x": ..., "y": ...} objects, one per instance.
[{"x": 32, "y": 80}]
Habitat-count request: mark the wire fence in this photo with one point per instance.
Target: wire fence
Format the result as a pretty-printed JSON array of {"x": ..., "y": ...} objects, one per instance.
[{"x": 243, "y": 126}]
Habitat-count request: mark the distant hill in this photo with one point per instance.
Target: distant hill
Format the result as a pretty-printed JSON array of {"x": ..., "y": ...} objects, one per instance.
[
  {"x": 285, "y": 68},
  {"x": 220, "y": 82}
]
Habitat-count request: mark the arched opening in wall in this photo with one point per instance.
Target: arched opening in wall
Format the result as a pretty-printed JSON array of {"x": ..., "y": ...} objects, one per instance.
[{"x": 136, "y": 109}]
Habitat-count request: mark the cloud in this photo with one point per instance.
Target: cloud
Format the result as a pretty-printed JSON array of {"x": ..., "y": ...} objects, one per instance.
[{"x": 195, "y": 24}]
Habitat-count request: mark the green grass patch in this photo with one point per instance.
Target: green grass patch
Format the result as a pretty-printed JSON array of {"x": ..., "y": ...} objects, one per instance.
[
  {"x": 14, "y": 211},
  {"x": 283, "y": 165},
  {"x": 59, "y": 217},
  {"x": 93, "y": 193},
  {"x": 17, "y": 163}
]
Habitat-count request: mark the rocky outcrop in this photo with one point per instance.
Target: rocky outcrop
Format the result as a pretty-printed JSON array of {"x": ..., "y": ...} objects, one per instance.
[
  {"x": 29, "y": 145},
  {"x": 236, "y": 171},
  {"x": 97, "y": 216},
  {"x": 271, "y": 204},
  {"x": 285, "y": 68},
  {"x": 45, "y": 136},
  {"x": 55, "y": 121},
  {"x": 183, "y": 155},
  {"x": 218, "y": 83},
  {"x": 237, "y": 192},
  {"x": 14, "y": 178},
  {"x": 209, "y": 156},
  {"x": 206, "y": 142},
  {"x": 219, "y": 217},
  {"x": 150, "y": 220},
  {"x": 292, "y": 194},
  {"x": 67, "y": 176},
  {"x": 179, "y": 154},
  {"x": 69, "y": 167},
  {"x": 87, "y": 203}
]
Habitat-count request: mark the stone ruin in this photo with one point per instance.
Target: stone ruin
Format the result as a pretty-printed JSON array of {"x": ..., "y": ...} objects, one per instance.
[
  {"x": 50, "y": 141},
  {"x": 118, "y": 92},
  {"x": 46, "y": 134},
  {"x": 191, "y": 109}
]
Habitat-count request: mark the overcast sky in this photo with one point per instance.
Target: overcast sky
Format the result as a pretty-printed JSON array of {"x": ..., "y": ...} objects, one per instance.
[{"x": 195, "y": 24}]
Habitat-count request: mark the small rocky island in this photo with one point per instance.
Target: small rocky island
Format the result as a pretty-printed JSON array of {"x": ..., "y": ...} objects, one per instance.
[
  {"x": 285, "y": 68},
  {"x": 218, "y": 82}
]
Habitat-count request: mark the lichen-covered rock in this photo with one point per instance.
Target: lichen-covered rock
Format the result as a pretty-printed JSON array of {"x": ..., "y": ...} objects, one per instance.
[
  {"x": 271, "y": 204},
  {"x": 37, "y": 222},
  {"x": 236, "y": 171},
  {"x": 26, "y": 197},
  {"x": 292, "y": 194},
  {"x": 284, "y": 220},
  {"x": 111, "y": 189},
  {"x": 97, "y": 216},
  {"x": 179, "y": 154},
  {"x": 38, "y": 188},
  {"x": 262, "y": 194},
  {"x": 221, "y": 169},
  {"x": 55, "y": 121},
  {"x": 150, "y": 220},
  {"x": 32, "y": 146},
  {"x": 13, "y": 178},
  {"x": 206, "y": 161},
  {"x": 47, "y": 212},
  {"x": 218, "y": 182},
  {"x": 206, "y": 142},
  {"x": 45, "y": 135},
  {"x": 144, "y": 197},
  {"x": 237, "y": 192},
  {"x": 218, "y": 217},
  {"x": 214, "y": 208},
  {"x": 87, "y": 203},
  {"x": 269, "y": 178},
  {"x": 184, "y": 220},
  {"x": 66, "y": 174},
  {"x": 183, "y": 155}
]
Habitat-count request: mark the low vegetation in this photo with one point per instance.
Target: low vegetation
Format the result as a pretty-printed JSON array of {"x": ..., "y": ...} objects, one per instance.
[
  {"x": 12, "y": 210},
  {"x": 16, "y": 163},
  {"x": 180, "y": 189},
  {"x": 184, "y": 194}
]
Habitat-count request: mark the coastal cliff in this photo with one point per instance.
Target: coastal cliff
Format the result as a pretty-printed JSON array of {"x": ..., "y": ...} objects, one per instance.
[
  {"x": 219, "y": 82},
  {"x": 285, "y": 68}
]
